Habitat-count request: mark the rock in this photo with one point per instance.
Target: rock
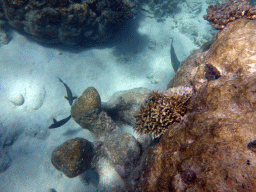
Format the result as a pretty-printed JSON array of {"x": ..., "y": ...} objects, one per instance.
[
  {"x": 123, "y": 149},
  {"x": 145, "y": 140},
  {"x": 27, "y": 93},
  {"x": 80, "y": 22},
  {"x": 16, "y": 98},
  {"x": 183, "y": 75},
  {"x": 86, "y": 109},
  {"x": 4, "y": 161},
  {"x": 17, "y": 93},
  {"x": 119, "y": 148},
  {"x": 123, "y": 104},
  {"x": 5, "y": 37},
  {"x": 73, "y": 157},
  {"x": 213, "y": 148},
  {"x": 86, "y": 112}
]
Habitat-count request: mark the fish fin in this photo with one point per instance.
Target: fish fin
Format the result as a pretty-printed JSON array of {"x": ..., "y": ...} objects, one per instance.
[
  {"x": 73, "y": 98},
  {"x": 60, "y": 80},
  {"x": 54, "y": 121}
]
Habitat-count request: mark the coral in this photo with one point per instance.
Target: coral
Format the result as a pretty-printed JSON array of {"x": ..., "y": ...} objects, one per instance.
[
  {"x": 86, "y": 111},
  {"x": 78, "y": 22},
  {"x": 213, "y": 149},
  {"x": 161, "y": 9},
  {"x": 161, "y": 110},
  {"x": 16, "y": 98},
  {"x": 122, "y": 148},
  {"x": 220, "y": 15},
  {"x": 123, "y": 104}
]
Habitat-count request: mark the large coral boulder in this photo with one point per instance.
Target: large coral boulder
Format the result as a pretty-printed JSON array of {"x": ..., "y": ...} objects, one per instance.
[
  {"x": 71, "y": 22},
  {"x": 122, "y": 149},
  {"x": 213, "y": 148}
]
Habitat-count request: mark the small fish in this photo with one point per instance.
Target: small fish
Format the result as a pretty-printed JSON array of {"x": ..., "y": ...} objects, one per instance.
[
  {"x": 57, "y": 124},
  {"x": 174, "y": 59},
  {"x": 69, "y": 97}
]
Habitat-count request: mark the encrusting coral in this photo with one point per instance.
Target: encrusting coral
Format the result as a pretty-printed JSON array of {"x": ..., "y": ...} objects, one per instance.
[
  {"x": 220, "y": 15},
  {"x": 161, "y": 110},
  {"x": 214, "y": 148}
]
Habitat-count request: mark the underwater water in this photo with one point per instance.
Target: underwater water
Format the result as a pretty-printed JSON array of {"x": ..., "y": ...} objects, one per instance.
[{"x": 32, "y": 95}]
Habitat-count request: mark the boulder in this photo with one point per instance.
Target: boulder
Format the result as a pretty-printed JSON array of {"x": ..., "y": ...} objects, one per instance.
[{"x": 213, "y": 149}]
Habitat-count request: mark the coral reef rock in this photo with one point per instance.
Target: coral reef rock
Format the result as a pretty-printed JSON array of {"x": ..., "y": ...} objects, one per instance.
[
  {"x": 121, "y": 148},
  {"x": 73, "y": 157},
  {"x": 161, "y": 110},
  {"x": 86, "y": 109},
  {"x": 220, "y": 15},
  {"x": 183, "y": 75},
  {"x": 214, "y": 148},
  {"x": 5, "y": 35},
  {"x": 123, "y": 104},
  {"x": 67, "y": 21}
]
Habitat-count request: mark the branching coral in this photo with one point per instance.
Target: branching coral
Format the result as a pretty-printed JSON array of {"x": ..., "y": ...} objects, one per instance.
[
  {"x": 220, "y": 15},
  {"x": 161, "y": 110}
]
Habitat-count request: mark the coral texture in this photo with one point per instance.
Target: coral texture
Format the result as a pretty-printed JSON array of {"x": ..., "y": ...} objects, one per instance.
[
  {"x": 161, "y": 110},
  {"x": 220, "y": 15},
  {"x": 73, "y": 157},
  {"x": 161, "y": 9},
  {"x": 123, "y": 104},
  {"x": 68, "y": 21},
  {"x": 213, "y": 149},
  {"x": 86, "y": 109},
  {"x": 121, "y": 148}
]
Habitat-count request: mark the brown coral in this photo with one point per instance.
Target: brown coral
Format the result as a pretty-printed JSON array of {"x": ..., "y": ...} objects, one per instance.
[
  {"x": 220, "y": 15},
  {"x": 72, "y": 22},
  {"x": 214, "y": 148},
  {"x": 73, "y": 157},
  {"x": 161, "y": 110}
]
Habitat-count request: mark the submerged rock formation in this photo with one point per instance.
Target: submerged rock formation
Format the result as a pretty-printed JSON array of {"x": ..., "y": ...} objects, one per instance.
[
  {"x": 86, "y": 111},
  {"x": 213, "y": 149},
  {"x": 70, "y": 22},
  {"x": 73, "y": 157}
]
